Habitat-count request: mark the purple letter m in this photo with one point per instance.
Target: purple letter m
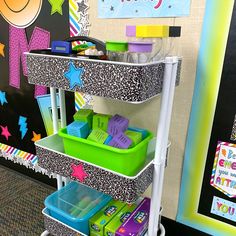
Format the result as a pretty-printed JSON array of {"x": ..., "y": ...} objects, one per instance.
[{"x": 18, "y": 44}]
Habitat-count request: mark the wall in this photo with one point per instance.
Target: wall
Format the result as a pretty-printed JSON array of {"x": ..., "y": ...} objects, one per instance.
[{"x": 146, "y": 115}]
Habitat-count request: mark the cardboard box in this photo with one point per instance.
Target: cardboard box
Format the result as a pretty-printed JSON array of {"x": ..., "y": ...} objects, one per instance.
[
  {"x": 119, "y": 219},
  {"x": 98, "y": 222},
  {"x": 137, "y": 223}
]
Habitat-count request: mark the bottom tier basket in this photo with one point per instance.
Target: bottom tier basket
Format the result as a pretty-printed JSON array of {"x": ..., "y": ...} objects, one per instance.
[{"x": 50, "y": 152}]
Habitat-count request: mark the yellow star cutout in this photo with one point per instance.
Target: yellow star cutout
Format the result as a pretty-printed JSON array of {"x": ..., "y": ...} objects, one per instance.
[
  {"x": 36, "y": 137},
  {"x": 2, "y": 46}
]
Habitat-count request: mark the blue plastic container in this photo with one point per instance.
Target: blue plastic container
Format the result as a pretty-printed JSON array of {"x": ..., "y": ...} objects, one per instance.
[{"x": 75, "y": 204}]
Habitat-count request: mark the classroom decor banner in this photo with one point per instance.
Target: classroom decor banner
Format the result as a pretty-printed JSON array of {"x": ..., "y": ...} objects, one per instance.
[
  {"x": 25, "y": 109},
  {"x": 143, "y": 8},
  {"x": 208, "y": 189}
]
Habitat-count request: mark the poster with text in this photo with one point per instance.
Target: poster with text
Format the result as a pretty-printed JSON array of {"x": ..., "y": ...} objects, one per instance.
[{"x": 143, "y": 8}]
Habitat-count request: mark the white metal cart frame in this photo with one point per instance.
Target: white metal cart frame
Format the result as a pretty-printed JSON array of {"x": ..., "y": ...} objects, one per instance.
[{"x": 170, "y": 75}]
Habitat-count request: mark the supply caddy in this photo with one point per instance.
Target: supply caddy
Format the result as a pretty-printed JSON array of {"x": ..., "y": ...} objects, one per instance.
[{"x": 126, "y": 82}]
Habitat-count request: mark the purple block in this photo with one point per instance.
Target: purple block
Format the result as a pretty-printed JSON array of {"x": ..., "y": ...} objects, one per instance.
[
  {"x": 120, "y": 141},
  {"x": 117, "y": 124},
  {"x": 137, "y": 223},
  {"x": 131, "y": 30}
]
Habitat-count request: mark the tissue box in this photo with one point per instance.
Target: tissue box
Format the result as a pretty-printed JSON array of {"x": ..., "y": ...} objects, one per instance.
[
  {"x": 100, "y": 121},
  {"x": 137, "y": 223},
  {"x": 144, "y": 132},
  {"x": 98, "y": 136},
  {"x": 120, "y": 218},
  {"x": 120, "y": 141},
  {"x": 84, "y": 115},
  {"x": 117, "y": 124},
  {"x": 98, "y": 222},
  {"x": 78, "y": 129},
  {"x": 136, "y": 137}
]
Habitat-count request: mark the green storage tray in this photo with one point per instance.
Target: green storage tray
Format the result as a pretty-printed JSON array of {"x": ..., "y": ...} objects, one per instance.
[{"x": 125, "y": 161}]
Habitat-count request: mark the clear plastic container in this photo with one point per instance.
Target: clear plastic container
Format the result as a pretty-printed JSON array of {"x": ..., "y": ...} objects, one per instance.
[
  {"x": 140, "y": 52},
  {"x": 172, "y": 43},
  {"x": 75, "y": 204},
  {"x": 157, "y": 34},
  {"x": 117, "y": 51}
]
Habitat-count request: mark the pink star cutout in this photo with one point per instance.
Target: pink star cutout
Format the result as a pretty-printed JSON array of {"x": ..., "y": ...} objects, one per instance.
[
  {"x": 5, "y": 132},
  {"x": 78, "y": 172}
]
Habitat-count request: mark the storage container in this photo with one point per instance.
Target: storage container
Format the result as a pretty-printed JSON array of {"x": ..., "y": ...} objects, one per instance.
[
  {"x": 125, "y": 161},
  {"x": 75, "y": 204}
]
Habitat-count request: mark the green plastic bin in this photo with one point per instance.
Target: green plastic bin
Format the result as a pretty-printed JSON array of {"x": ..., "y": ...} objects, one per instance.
[{"x": 125, "y": 161}]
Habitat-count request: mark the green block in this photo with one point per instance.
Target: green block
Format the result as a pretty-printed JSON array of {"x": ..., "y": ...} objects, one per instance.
[
  {"x": 136, "y": 137},
  {"x": 84, "y": 115},
  {"x": 100, "y": 121},
  {"x": 119, "y": 219},
  {"x": 98, "y": 222},
  {"x": 98, "y": 136}
]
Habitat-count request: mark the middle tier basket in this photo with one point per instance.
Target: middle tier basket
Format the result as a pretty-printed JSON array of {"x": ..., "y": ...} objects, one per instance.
[{"x": 52, "y": 157}]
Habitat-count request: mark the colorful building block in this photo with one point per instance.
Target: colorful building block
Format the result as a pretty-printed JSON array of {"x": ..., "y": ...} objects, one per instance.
[
  {"x": 120, "y": 141},
  {"x": 78, "y": 129},
  {"x": 84, "y": 115},
  {"x": 144, "y": 132},
  {"x": 119, "y": 219},
  {"x": 117, "y": 124},
  {"x": 100, "y": 121},
  {"x": 98, "y": 222},
  {"x": 136, "y": 137},
  {"x": 98, "y": 136},
  {"x": 137, "y": 223}
]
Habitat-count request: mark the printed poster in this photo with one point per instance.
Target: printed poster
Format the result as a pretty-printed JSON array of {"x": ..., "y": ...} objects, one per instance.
[{"x": 143, "y": 8}]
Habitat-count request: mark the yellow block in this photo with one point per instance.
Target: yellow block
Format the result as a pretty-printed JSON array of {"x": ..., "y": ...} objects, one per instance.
[{"x": 152, "y": 31}]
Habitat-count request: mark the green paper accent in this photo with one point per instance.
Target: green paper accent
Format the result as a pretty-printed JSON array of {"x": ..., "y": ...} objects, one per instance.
[
  {"x": 118, "y": 220},
  {"x": 98, "y": 136},
  {"x": 56, "y": 6},
  {"x": 136, "y": 137},
  {"x": 116, "y": 46},
  {"x": 98, "y": 222},
  {"x": 84, "y": 115},
  {"x": 100, "y": 121}
]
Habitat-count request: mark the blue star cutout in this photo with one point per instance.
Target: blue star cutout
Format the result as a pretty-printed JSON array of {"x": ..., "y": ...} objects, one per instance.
[
  {"x": 74, "y": 75},
  {"x": 3, "y": 98}
]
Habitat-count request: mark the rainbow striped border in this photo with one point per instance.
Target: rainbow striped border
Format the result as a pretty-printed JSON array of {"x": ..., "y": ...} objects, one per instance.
[
  {"x": 81, "y": 100},
  {"x": 214, "y": 37},
  {"x": 215, "y": 165}
]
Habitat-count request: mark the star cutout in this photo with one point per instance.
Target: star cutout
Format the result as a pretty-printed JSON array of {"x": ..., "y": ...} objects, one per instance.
[
  {"x": 5, "y": 132},
  {"x": 84, "y": 20},
  {"x": 78, "y": 172},
  {"x": 36, "y": 137},
  {"x": 2, "y": 46},
  {"x": 82, "y": 6},
  {"x": 74, "y": 75},
  {"x": 112, "y": 8},
  {"x": 3, "y": 98},
  {"x": 56, "y": 6}
]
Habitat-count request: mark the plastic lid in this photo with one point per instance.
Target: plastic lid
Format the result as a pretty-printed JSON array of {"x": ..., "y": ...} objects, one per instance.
[
  {"x": 76, "y": 202},
  {"x": 116, "y": 46},
  {"x": 152, "y": 31},
  {"x": 131, "y": 30},
  {"x": 140, "y": 46},
  {"x": 175, "y": 31}
]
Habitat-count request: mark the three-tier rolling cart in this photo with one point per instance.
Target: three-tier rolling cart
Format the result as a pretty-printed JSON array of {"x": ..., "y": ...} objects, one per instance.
[{"x": 133, "y": 83}]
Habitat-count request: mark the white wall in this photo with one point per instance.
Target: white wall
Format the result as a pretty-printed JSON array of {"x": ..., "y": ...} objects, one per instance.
[{"x": 145, "y": 115}]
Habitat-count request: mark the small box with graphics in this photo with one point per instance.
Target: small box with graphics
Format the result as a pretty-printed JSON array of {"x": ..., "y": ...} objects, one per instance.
[{"x": 98, "y": 222}]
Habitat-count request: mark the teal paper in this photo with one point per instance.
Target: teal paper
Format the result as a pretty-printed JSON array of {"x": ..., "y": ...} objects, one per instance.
[{"x": 143, "y": 8}]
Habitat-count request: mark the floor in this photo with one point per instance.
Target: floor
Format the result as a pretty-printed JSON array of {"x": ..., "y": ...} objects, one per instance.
[{"x": 21, "y": 203}]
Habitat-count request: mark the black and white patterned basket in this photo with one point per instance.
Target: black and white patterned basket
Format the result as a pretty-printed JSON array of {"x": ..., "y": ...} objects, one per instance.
[
  {"x": 57, "y": 228},
  {"x": 122, "y": 81},
  {"x": 50, "y": 152}
]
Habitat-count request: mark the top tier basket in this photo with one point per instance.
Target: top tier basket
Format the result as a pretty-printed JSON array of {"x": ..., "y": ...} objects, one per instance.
[{"x": 134, "y": 83}]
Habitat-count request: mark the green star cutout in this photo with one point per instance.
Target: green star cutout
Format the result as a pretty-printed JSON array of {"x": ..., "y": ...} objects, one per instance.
[{"x": 56, "y": 6}]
